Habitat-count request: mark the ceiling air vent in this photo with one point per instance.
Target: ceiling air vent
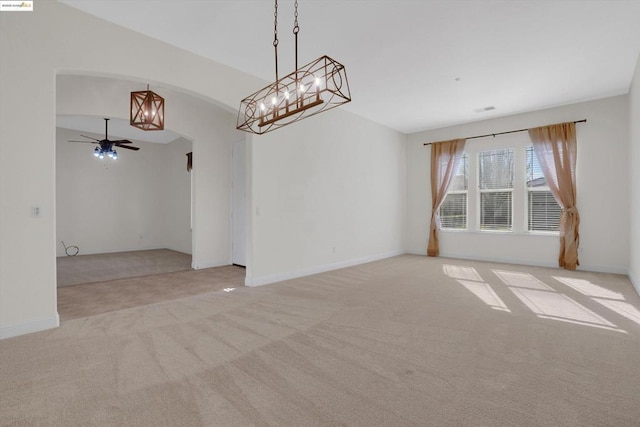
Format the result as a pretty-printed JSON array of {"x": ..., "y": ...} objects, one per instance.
[{"x": 484, "y": 109}]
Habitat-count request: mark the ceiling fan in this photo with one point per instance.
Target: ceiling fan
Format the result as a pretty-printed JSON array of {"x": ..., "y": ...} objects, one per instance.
[{"x": 105, "y": 146}]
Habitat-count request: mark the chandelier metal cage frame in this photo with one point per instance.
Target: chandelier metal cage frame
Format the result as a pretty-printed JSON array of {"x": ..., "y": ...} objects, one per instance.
[
  {"x": 147, "y": 110},
  {"x": 311, "y": 89}
]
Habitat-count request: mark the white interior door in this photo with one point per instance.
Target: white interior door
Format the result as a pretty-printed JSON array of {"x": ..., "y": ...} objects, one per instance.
[{"x": 238, "y": 204}]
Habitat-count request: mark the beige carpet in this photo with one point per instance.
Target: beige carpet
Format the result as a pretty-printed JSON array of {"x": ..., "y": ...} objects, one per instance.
[
  {"x": 404, "y": 341},
  {"x": 74, "y": 270},
  {"x": 96, "y": 298}
]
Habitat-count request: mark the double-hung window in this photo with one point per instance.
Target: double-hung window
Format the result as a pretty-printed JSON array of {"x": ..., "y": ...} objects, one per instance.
[
  {"x": 499, "y": 186},
  {"x": 495, "y": 184},
  {"x": 453, "y": 211},
  {"x": 543, "y": 212}
]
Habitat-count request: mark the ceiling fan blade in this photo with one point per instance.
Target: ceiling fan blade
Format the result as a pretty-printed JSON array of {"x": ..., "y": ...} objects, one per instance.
[
  {"x": 84, "y": 142},
  {"x": 122, "y": 141},
  {"x": 127, "y": 147},
  {"x": 90, "y": 138}
]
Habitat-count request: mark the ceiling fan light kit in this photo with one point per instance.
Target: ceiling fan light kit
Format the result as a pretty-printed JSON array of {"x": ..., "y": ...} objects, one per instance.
[
  {"x": 106, "y": 147},
  {"x": 311, "y": 89},
  {"x": 110, "y": 152},
  {"x": 147, "y": 110}
]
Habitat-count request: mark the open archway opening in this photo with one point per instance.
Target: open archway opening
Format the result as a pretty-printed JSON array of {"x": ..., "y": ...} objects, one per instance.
[{"x": 145, "y": 213}]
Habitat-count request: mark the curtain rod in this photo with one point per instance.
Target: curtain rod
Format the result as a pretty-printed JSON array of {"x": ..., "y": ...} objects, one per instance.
[{"x": 502, "y": 133}]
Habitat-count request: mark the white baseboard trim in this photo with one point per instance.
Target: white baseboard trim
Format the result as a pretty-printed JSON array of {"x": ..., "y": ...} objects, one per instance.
[
  {"x": 604, "y": 269},
  {"x": 29, "y": 327},
  {"x": 501, "y": 260},
  {"x": 209, "y": 264},
  {"x": 423, "y": 253},
  {"x": 273, "y": 278},
  {"x": 594, "y": 268},
  {"x": 635, "y": 281}
]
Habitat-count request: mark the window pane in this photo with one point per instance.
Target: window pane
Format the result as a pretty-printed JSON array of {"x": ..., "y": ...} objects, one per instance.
[
  {"x": 496, "y": 169},
  {"x": 535, "y": 178},
  {"x": 544, "y": 211},
  {"x": 453, "y": 211},
  {"x": 460, "y": 180},
  {"x": 495, "y": 211}
]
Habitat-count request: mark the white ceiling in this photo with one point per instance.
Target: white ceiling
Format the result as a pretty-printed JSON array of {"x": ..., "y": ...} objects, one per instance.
[{"x": 414, "y": 65}]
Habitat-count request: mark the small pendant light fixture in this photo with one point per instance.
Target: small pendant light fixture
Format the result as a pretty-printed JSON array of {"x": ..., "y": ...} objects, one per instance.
[
  {"x": 147, "y": 110},
  {"x": 311, "y": 89}
]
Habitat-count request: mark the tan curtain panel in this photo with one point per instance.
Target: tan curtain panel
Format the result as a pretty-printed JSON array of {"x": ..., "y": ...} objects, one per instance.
[
  {"x": 445, "y": 157},
  {"x": 556, "y": 149}
]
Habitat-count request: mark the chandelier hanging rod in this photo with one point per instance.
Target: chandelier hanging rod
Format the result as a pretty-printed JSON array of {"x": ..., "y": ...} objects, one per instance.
[
  {"x": 501, "y": 133},
  {"x": 275, "y": 36}
]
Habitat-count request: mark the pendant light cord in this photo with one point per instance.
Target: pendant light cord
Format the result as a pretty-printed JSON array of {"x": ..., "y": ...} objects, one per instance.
[
  {"x": 296, "y": 29},
  {"x": 275, "y": 35}
]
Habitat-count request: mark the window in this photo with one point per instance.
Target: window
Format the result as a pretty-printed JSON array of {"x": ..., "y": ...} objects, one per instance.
[
  {"x": 499, "y": 187},
  {"x": 543, "y": 212},
  {"x": 495, "y": 176},
  {"x": 453, "y": 211}
]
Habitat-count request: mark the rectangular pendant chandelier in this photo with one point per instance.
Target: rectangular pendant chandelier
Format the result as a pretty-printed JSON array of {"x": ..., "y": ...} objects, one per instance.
[
  {"x": 147, "y": 110},
  {"x": 312, "y": 89}
]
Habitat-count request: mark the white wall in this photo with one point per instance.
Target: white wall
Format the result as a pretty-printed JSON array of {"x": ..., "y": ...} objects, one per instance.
[
  {"x": 176, "y": 231},
  {"x": 326, "y": 192},
  {"x": 602, "y": 184},
  {"x": 56, "y": 39},
  {"x": 634, "y": 177},
  {"x": 140, "y": 201}
]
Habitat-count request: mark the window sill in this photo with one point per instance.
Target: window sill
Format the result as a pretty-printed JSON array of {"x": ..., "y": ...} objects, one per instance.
[{"x": 502, "y": 233}]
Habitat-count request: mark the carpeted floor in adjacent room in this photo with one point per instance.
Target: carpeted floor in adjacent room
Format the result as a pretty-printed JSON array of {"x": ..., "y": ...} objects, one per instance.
[
  {"x": 96, "y": 298},
  {"x": 92, "y": 268}
]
